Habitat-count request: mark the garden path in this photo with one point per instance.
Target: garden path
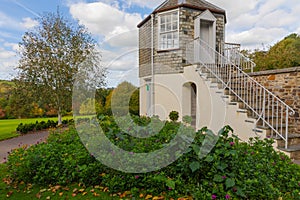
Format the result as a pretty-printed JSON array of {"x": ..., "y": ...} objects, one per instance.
[{"x": 13, "y": 143}]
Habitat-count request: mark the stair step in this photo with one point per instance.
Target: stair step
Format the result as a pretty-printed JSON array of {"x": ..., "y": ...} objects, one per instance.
[
  {"x": 242, "y": 111},
  {"x": 250, "y": 121},
  {"x": 257, "y": 130},
  {"x": 290, "y": 136},
  {"x": 291, "y": 148},
  {"x": 293, "y": 139},
  {"x": 274, "y": 125}
]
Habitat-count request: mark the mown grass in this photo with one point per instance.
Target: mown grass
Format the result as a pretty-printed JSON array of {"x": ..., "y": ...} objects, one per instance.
[
  {"x": 8, "y": 126},
  {"x": 29, "y": 192}
]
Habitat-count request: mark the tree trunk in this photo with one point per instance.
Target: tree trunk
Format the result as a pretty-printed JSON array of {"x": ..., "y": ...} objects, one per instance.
[{"x": 59, "y": 117}]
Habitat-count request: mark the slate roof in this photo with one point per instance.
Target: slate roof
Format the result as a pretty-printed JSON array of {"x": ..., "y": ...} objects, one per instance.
[{"x": 193, "y": 4}]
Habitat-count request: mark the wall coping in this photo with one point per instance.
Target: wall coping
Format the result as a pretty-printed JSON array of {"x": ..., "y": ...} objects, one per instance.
[{"x": 276, "y": 71}]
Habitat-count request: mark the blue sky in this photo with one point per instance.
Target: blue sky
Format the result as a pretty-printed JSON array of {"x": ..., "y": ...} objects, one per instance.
[{"x": 253, "y": 23}]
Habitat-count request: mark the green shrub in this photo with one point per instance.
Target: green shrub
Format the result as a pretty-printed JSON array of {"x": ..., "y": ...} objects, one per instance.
[
  {"x": 25, "y": 128},
  {"x": 232, "y": 168},
  {"x": 174, "y": 115}
]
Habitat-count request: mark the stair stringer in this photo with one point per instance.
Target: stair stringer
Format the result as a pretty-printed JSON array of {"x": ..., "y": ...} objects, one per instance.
[{"x": 223, "y": 107}]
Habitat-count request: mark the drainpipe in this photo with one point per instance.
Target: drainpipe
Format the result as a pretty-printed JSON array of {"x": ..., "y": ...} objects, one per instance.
[{"x": 152, "y": 64}]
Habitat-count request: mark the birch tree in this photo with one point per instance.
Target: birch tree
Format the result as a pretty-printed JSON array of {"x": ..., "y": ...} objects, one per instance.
[{"x": 51, "y": 55}]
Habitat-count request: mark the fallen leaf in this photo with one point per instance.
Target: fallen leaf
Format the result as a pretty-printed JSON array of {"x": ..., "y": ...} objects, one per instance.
[
  {"x": 74, "y": 195},
  {"x": 43, "y": 190},
  {"x": 9, "y": 193},
  {"x": 57, "y": 187},
  {"x": 96, "y": 195},
  {"x": 61, "y": 193},
  {"x": 83, "y": 194},
  {"x": 148, "y": 196},
  {"x": 123, "y": 195},
  {"x": 38, "y": 195},
  {"x": 81, "y": 190},
  {"x": 158, "y": 198}
]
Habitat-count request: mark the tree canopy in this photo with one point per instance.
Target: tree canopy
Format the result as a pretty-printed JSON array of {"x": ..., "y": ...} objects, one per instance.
[
  {"x": 284, "y": 54},
  {"x": 124, "y": 98},
  {"x": 51, "y": 55}
]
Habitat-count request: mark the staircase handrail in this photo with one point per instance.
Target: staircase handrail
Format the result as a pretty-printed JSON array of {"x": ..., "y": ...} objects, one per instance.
[
  {"x": 245, "y": 62},
  {"x": 246, "y": 82}
]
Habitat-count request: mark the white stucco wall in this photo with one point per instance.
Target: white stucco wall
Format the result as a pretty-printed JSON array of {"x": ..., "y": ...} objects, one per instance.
[{"x": 171, "y": 92}]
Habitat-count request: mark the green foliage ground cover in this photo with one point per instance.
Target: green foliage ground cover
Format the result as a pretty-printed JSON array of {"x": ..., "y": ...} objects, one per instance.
[
  {"x": 232, "y": 170},
  {"x": 8, "y": 126}
]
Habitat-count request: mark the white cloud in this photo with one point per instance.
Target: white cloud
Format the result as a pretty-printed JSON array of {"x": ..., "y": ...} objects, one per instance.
[
  {"x": 28, "y": 23},
  {"x": 108, "y": 21},
  {"x": 8, "y": 22},
  {"x": 122, "y": 64},
  {"x": 258, "y": 22},
  {"x": 14, "y": 46},
  {"x": 8, "y": 61},
  {"x": 257, "y": 37},
  {"x": 143, "y": 3}
]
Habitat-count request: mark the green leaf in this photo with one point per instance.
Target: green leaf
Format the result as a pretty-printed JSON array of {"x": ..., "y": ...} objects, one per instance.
[
  {"x": 195, "y": 166},
  {"x": 218, "y": 178},
  {"x": 196, "y": 148},
  {"x": 209, "y": 159},
  {"x": 170, "y": 184},
  {"x": 229, "y": 183},
  {"x": 240, "y": 192},
  {"x": 222, "y": 166}
]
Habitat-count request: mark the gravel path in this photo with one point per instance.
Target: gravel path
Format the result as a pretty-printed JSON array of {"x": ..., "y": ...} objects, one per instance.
[{"x": 28, "y": 139}]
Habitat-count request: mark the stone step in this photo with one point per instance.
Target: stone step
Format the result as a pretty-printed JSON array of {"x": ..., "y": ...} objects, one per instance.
[
  {"x": 293, "y": 151},
  {"x": 293, "y": 139}
]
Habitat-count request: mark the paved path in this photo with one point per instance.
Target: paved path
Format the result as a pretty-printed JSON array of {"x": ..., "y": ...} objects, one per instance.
[{"x": 28, "y": 139}]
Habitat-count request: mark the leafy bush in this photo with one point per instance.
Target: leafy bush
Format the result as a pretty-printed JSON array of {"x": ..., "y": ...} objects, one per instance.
[
  {"x": 232, "y": 169},
  {"x": 25, "y": 128},
  {"x": 174, "y": 115}
]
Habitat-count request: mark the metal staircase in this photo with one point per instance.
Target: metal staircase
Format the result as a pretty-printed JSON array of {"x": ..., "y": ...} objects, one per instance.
[{"x": 268, "y": 111}]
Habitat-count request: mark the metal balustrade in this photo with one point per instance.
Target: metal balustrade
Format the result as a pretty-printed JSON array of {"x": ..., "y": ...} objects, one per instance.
[
  {"x": 232, "y": 53},
  {"x": 269, "y": 111}
]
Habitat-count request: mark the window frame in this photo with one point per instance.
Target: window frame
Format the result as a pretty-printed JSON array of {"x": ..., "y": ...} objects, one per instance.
[{"x": 162, "y": 47}]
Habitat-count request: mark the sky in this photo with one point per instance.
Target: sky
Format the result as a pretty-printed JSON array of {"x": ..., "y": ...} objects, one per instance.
[{"x": 255, "y": 24}]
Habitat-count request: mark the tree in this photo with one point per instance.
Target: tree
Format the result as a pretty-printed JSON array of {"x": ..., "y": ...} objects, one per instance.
[
  {"x": 52, "y": 53},
  {"x": 122, "y": 99},
  {"x": 284, "y": 54},
  {"x": 90, "y": 106}
]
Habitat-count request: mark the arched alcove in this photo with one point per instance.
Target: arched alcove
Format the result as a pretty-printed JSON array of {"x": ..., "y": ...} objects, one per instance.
[{"x": 189, "y": 101}]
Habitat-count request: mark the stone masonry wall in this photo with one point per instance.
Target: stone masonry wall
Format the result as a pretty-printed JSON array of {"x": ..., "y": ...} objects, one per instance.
[
  {"x": 284, "y": 83},
  {"x": 145, "y": 50},
  {"x": 173, "y": 61}
]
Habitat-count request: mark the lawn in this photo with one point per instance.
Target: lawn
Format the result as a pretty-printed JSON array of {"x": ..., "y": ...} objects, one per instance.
[
  {"x": 8, "y": 126},
  {"x": 29, "y": 192}
]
